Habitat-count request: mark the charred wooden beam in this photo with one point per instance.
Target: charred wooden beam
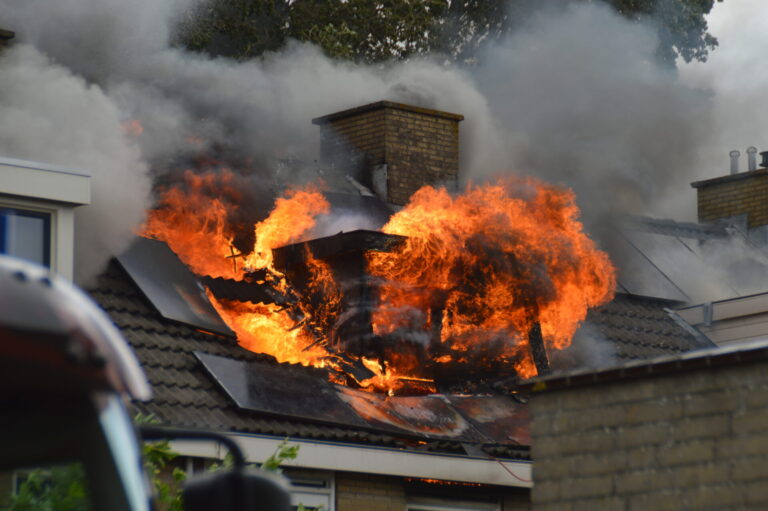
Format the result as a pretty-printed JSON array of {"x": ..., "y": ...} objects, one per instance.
[
  {"x": 538, "y": 351},
  {"x": 240, "y": 290},
  {"x": 330, "y": 247}
]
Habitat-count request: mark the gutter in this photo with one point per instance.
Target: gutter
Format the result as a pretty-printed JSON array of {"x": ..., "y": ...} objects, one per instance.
[{"x": 372, "y": 460}]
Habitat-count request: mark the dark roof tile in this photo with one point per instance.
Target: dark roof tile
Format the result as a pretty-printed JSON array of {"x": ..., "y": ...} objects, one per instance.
[{"x": 640, "y": 327}]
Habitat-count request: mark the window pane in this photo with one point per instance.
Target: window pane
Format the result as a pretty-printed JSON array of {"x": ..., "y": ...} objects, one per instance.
[{"x": 25, "y": 234}]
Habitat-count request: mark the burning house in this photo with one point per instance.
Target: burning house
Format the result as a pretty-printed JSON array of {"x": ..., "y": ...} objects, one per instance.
[{"x": 390, "y": 353}]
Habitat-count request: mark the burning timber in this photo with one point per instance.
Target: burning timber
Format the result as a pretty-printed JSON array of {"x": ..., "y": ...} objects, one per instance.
[
  {"x": 350, "y": 338},
  {"x": 455, "y": 293}
]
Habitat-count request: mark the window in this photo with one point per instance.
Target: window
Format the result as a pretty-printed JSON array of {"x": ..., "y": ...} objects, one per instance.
[
  {"x": 26, "y": 234},
  {"x": 313, "y": 490},
  {"x": 37, "y": 212}
]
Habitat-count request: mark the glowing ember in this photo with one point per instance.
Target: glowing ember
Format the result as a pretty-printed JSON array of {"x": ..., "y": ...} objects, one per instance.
[
  {"x": 475, "y": 274},
  {"x": 267, "y": 329},
  {"x": 133, "y": 128}
]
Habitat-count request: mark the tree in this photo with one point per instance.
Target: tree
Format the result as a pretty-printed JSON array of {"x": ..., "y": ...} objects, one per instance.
[
  {"x": 238, "y": 29},
  {"x": 374, "y": 31},
  {"x": 368, "y": 31},
  {"x": 681, "y": 24}
]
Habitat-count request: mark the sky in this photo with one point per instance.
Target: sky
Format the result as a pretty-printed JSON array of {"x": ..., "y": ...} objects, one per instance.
[
  {"x": 735, "y": 71},
  {"x": 553, "y": 101}
]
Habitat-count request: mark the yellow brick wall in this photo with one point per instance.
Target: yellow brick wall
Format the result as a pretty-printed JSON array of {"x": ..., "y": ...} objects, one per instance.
[
  {"x": 419, "y": 146},
  {"x": 420, "y": 150},
  {"x": 355, "y": 492},
  {"x": 692, "y": 440},
  {"x": 743, "y": 194}
]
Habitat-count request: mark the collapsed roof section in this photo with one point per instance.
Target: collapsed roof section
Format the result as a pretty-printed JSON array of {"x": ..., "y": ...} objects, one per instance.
[{"x": 186, "y": 395}]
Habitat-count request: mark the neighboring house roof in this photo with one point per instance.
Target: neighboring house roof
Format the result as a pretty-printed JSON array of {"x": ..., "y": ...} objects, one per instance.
[
  {"x": 687, "y": 262},
  {"x": 186, "y": 395},
  {"x": 639, "y": 328}
]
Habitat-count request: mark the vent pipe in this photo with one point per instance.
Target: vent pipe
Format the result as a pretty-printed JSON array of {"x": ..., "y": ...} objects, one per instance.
[
  {"x": 734, "y": 161},
  {"x": 752, "y": 158}
]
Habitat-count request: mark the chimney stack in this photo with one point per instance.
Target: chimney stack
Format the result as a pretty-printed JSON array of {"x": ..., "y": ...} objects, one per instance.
[
  {"x": 402, "y": 147},
  {"x": 734, "y": 161},
  {"x": 752, "y": 158},
  {"x": 743, "y": 195}
]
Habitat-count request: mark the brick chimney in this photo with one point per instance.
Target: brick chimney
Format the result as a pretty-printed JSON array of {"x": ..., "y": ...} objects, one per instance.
[
  {"x": 401, "y": 147},
  {"x": 737, "y": 194}
]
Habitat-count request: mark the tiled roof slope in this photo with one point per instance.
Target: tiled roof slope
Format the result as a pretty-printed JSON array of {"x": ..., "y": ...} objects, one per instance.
[
  {"x": 639, "y": 327},
  {"x": 185, "y": 395}
]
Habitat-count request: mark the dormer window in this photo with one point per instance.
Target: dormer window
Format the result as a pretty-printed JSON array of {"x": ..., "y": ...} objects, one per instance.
[
  {"x": 37, "y": 212},
  {"x": 26, "y": 234}
]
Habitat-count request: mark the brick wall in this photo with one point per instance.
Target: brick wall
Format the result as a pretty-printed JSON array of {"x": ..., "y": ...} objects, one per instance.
[
  {"x": 737, "y": 194},
  {"x": 690, "y": 440},
  {"x": 418, "y": 145},
  {"x": 370, "y": 492},
  {"x": 356, "y": 492}
]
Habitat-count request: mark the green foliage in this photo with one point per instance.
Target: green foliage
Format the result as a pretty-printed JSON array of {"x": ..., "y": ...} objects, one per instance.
[
  {"x": 55, "y": 489},
  {"x": 157, "y": 456},
  {"x": 375, "y": 31},
  {"x": 65, "y": 488},
  {"x": 283, "y": 453},
  {"x": 239, "y": 29}
]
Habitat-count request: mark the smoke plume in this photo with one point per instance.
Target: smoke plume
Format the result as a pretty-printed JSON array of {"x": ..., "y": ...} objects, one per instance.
[
  {"x": 51, "y": 115},
  {"x": 574, "y": 97}
]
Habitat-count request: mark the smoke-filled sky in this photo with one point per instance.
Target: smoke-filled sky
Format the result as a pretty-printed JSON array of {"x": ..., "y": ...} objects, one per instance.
[
  {"x": 738, "y": 80},
  {"x": 574, "y": 98}
]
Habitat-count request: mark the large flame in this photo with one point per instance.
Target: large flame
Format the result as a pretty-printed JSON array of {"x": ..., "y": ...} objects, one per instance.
[
  {"x": 475, "y": 274},
  {"x": 494, "y": 261},
  {"x": 194, "y": 224}
]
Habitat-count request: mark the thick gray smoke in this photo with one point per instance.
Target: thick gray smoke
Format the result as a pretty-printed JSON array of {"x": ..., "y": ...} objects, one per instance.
[
  {"x": 738, "y": 81},
  {"x": 51, "y": 115},
  {"x": 574, "y": 97},
  {"x": 581, "y": 102}
]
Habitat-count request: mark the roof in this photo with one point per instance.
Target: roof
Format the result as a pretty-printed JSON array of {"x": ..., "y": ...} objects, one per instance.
[
  {"x": 379, "y": 105},
  {"x": 730, "y": 178},
  {"x": 638, "y": 327},
  {"x": 189, "y": 391},
  {"x": 185, "y": 395},
  {"x": 723, "y": 356},
  {"x": 666, "y": 259}
]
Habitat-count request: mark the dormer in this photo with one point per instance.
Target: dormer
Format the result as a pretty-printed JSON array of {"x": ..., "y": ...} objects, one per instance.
[{"x": 37, "y": 212}]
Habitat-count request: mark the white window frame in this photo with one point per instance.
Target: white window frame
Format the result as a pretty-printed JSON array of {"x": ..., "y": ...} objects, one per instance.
[
  {"x": 323, "y": 493},
  {"x": 43, "y": 188}
]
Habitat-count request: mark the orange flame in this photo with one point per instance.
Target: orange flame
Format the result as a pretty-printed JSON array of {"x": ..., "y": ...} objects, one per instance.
[
  {"x": 133, "y": 128},
  {"x": 495, "y": 259},
  {"x": 194, "y": 225},
  {"x": 265, "y": 328},
  {"x": 474, "y": 275},
  {"x": 292, "y": 216}
]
